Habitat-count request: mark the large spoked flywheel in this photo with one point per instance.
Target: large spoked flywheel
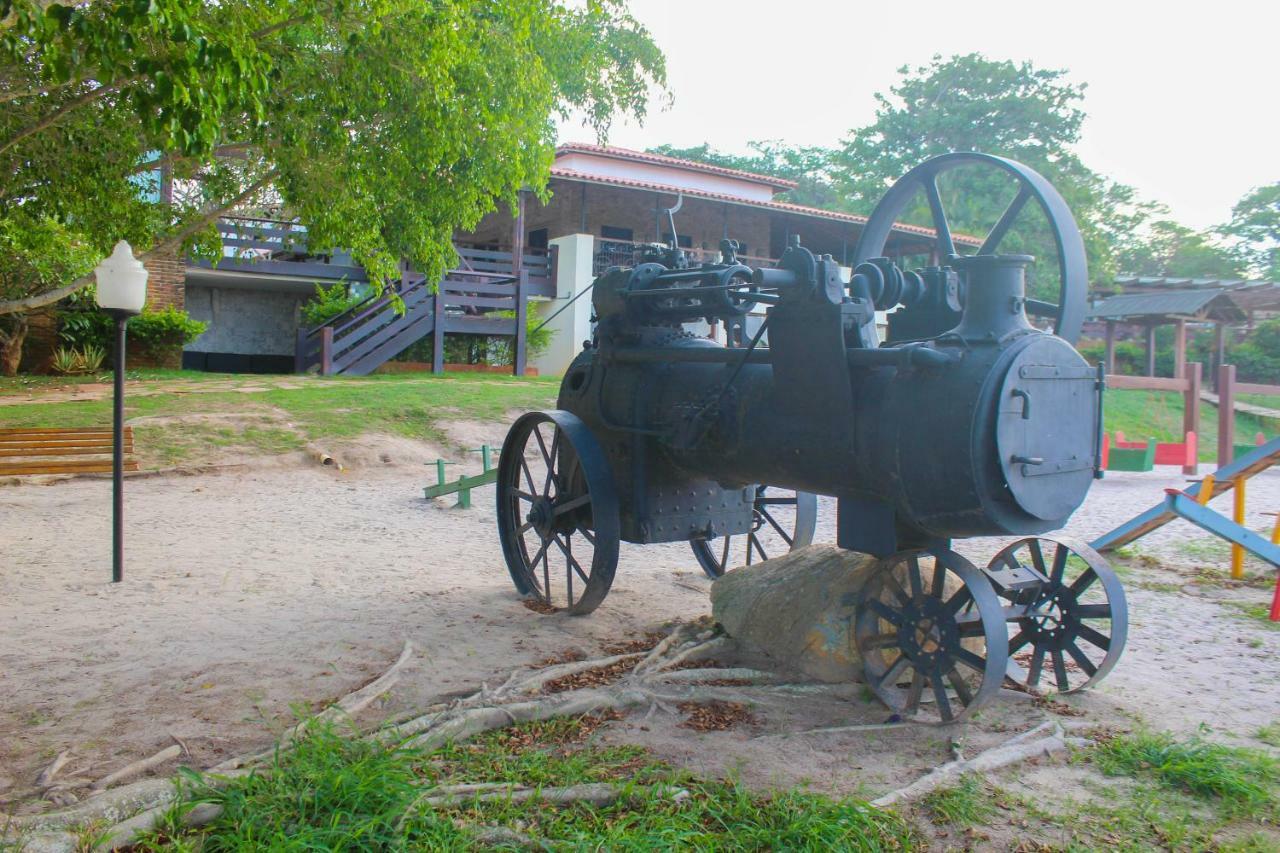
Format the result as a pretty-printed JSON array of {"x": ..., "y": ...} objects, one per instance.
[
  {"x": 1066, "y": 314},
  {"x": 557, "y": 512}
]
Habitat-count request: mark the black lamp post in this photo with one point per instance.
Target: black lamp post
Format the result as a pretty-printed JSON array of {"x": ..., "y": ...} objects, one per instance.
[{"x": 121, "y": 292}]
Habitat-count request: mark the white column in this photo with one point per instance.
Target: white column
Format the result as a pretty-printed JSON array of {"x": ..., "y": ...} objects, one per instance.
[{"x": 572, "y": 326}]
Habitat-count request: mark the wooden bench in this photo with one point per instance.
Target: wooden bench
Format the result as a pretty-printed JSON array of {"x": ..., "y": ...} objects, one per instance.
[{"x": 61, "y": 451}]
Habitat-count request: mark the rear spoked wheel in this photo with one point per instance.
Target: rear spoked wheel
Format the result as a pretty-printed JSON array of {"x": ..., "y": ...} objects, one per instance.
[
  {"x": 1069, "y": 621},
  {"x": 557, "y": 512},
  {"x": 930, "y": 631},
  {"x": 781, "y": 521}
]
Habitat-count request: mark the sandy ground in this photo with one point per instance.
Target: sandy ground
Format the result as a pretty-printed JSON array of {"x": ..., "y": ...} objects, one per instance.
[{"x": 250, "y": 593}]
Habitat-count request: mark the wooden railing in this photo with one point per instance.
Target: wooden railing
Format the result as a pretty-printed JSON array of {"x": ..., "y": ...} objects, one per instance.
[
  {"x": 263, "y": 245},
  {"x": 375, "y": 330}
]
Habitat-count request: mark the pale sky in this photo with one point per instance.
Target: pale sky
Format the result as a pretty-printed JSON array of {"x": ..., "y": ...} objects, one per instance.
[{"x": 1182, "y": 97}]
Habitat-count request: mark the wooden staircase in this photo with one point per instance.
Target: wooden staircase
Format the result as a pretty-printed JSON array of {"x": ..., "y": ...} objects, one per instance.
[{"x": 381, "y": 327}]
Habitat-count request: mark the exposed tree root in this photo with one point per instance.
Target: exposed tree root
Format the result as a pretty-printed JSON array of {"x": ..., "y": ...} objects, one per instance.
[
  {"x": 46, "y": 775},
  {"x": 1012, "y": 751},
  {"x": 140, "y": 766}
]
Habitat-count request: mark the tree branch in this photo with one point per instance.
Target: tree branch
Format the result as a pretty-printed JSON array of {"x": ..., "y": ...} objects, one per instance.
[
  {"x": 168, "y": 244},
  {"x": 62, "y": 111}
]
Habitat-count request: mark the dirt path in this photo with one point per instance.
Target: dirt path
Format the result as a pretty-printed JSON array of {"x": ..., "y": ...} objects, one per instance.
[{"x": 247, "y": 593}]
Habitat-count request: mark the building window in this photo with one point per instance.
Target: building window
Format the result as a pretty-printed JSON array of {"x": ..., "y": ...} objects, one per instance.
[
  {"x": 538, "y": 239},
  {"x": 613, "y": 232},
  {"x": 684, "y": 241}
]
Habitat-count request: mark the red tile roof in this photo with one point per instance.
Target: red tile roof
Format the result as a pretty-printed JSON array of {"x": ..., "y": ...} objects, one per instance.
[
  {"x": 663, "y": 160},
  {"x": 574, "y": 175}
]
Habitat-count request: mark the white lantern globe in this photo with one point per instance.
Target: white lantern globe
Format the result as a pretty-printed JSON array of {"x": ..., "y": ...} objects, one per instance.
[{"x": 122, "y": 281}]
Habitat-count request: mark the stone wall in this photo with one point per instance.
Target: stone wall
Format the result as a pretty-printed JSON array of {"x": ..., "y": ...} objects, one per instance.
[{"x": 244, "y": 322}]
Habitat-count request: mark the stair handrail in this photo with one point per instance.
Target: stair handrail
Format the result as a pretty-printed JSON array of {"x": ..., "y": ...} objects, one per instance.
[{"x": 383, "y": 296}]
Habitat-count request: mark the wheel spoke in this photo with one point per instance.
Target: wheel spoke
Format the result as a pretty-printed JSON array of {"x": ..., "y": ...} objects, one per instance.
[
  {"x": 939, "y": 580},
  {"x": 962, "y": 597},
  {"x": 914, "y": 691},
  {"x": 542, "y": 446},
  {"x": 1060, "y": 671},
  {"x": 881, "y": 641},
  {"x": 524, "y": 466},
  {"x": 970, "y": 659},
  {"x": 759, "y": 548},
  {"x": 913, "y": 576},
  {"x": 1091, "y": 611},
  {"x": 776, "y": 501},
  {"x": 551, "y": 462},
  {"x": 973, "y": 627},
  {"x": 546, "y": 571},
  {"x": 1096, "y": 637},
  {"x": 890, "y": 676},
  {"x": 891, "y": 583},
  {"x": 1019, "y": 640},
  {"x": 724, "y": 555},
  {"x": 940, "y": 696},
  {"x": 522, "y": 495},
  {"x": 1059, "y": 563},
  {"x": 567, "y": 549},
  {"x": 1082, "y": 660},
  {"x": 946, "y": 247},
  {"x": 588, "y": 535},
  {"x": 1037, "y": 665},
  {"x": 963, "y": 693},
  {"x": 1083, "y": 582},
  {"x": 524, "y": 528},
  {"x": 775, "y": 525},
  {"x": 1006, "y": 221},
  {"x": 884, "y": 611},
  {"x": 568, "y": 505},
  {"x": 1037, "y": 557}
]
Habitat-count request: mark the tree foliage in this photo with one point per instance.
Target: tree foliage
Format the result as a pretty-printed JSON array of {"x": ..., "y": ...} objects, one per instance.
[
  {"x": 1255, "y": 225},
  {"x": 1165, "y": 248},
  {"x": 972, "y": 103},
  {"x": 807, "y": 165},
  {"x": 382, "y": 124}
]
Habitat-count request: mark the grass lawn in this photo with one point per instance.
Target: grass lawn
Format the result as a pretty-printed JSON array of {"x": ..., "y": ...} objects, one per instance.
[
  {"x": 277, "y": 420},
  {"x": 1158, "y": 414}
]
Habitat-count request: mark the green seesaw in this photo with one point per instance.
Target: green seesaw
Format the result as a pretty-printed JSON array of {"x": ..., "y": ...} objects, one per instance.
[{"x": 463, "y": 485}]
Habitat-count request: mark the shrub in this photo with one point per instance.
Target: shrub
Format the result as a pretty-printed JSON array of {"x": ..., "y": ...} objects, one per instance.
[
  {"x": 81, "y": 323},
  {"x": 328, "y": 303},
  {"x": 155, "y": 332},
  {"x": 71, "y": 361}
]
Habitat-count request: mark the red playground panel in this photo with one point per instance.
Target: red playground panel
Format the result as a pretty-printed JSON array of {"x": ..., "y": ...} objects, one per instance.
[{"x": 1182, "y": 454}]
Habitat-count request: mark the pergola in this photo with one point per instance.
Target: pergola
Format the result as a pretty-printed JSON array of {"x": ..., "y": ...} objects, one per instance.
[{"x": 1154, "y": 302}]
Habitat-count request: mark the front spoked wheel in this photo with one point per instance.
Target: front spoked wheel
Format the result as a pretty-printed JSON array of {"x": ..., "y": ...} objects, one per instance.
[
  {"x": 1068, "y": 620},
  {"x": 930, "y": 630},
  {"x": 557, "y": 513}
]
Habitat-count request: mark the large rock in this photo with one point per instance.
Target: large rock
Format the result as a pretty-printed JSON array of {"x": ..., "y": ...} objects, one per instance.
[{"x": 797, "y": 609}]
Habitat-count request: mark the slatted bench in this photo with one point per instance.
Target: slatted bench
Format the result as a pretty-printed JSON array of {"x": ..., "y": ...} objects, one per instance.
[{"x": 39, "y": 450}]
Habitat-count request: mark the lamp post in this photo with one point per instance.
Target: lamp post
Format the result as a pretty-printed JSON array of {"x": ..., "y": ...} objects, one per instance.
[{"x": 121, "y": 292}]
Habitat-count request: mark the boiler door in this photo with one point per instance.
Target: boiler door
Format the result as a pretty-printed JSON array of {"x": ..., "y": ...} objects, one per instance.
[{"x": 1047, "y": 428}]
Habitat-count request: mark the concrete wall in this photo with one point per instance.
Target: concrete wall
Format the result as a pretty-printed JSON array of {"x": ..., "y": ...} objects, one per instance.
[
  {"x": 247, "y": 322},
  {"x": 573, "y": 325}
]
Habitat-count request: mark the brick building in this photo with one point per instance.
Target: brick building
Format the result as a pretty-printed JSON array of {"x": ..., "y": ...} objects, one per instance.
[{"x": 604, "y": 203}]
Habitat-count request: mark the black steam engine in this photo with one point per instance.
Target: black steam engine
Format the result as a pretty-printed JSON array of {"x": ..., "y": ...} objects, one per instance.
[{"x": 967, "y": 420}]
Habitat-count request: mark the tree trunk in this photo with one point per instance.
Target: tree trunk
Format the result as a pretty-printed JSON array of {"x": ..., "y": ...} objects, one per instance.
[{"x": 12, "y": 335}]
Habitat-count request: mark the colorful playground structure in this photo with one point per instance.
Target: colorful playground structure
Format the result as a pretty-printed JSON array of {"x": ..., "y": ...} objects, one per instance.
[{"x": 1191, "y": 504}]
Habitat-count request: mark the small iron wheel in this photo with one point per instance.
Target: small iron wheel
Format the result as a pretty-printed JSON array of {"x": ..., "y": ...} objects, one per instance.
[
  {"x": 1075, "y": 622},
  {"x": 557, "y": 512},
  {"x": 781, "y": 520},
  {"x": 930, "y": 631}
]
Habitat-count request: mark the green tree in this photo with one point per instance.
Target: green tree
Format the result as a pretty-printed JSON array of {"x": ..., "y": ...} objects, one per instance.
[
  {"x": 1255, "y": 224},
  {"x": 1165, "y": 248},
  {"x": 807, "y": 165},
  {"x": 972, "y": 103},
  {"x": 384, "y": 125}
]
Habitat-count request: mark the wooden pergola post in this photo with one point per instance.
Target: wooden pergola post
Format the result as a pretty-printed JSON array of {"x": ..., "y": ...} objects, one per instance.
[
  {"x": 1180, "y": 349},
  {"x": 1110, "y": 360},
  {"x": 1219, "y": 350},
  {"x": 1191, "y": 410},
  {"x": 1151, "y": 349},
  {"x": 1226, "y": 413}
]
